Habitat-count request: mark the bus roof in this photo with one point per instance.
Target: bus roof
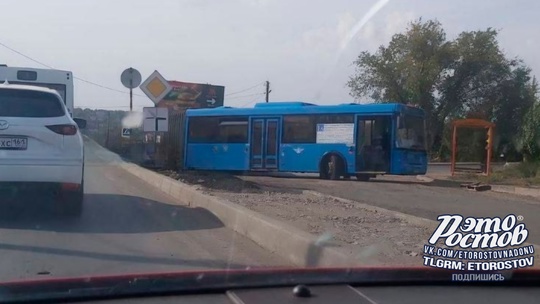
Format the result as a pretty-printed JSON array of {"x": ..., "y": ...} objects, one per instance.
[
  {"x": 281, "y": 108},
  {"x": 3, "y": 66}
]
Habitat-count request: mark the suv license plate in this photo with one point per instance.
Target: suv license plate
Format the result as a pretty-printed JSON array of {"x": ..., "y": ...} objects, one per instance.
[{"x": 13, "y": 143}]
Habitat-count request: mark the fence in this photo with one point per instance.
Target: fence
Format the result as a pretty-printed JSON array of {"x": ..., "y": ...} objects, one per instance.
[
  {"x": 173, "y": 142},
  {"x": 140, "y": 148}
]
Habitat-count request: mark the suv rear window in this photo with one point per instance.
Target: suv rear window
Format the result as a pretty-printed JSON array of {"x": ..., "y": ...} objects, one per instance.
[{"x": 21, "y": 103}]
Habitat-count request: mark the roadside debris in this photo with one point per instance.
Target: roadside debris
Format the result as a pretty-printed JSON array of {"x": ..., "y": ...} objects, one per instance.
[{"x": 476, "y": 186}]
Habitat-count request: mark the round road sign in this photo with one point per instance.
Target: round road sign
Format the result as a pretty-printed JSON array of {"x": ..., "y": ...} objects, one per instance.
[{"x": 131, "y": 78}]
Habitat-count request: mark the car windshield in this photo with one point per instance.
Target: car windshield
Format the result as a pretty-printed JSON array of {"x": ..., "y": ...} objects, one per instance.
[
  {"x": 190, "y": 136},
  {"x": 20, "y": 103}
]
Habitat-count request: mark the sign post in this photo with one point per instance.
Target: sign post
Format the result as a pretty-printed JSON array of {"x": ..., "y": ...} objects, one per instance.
[
  {"x": 155, "y": 120},
  {"x": 155, "y": 87},
  {"x": 130, "y": 78}
]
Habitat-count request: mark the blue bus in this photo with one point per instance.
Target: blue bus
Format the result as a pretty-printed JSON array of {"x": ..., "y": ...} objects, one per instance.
[{"x": 362, "y": 140}]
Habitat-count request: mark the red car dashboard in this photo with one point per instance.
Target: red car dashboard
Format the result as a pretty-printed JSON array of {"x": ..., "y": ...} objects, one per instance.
[{"x": 362, "y": 285}]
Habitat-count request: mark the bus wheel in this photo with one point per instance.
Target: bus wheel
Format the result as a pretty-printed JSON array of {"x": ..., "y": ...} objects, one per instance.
[
  {"x": 330, "y": 167},
  {"x": 323, "y": 170},
  {"x": 362, "y": 177},
  {"x": 334, "y": 167}
]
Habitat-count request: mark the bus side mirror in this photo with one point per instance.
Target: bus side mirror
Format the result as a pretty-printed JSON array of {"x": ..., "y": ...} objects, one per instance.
[{"x": 80, "y": 122}]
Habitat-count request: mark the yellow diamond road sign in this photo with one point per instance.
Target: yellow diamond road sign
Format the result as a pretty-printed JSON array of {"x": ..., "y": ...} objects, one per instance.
[{"x": 156, "y": 87}]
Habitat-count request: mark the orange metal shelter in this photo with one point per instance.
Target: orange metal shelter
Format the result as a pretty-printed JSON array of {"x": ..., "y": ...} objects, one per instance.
[{"x": 472, "y": 123}]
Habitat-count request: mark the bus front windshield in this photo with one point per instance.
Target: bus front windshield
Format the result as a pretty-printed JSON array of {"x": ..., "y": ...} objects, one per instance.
[{"x": 411, "y": 133}]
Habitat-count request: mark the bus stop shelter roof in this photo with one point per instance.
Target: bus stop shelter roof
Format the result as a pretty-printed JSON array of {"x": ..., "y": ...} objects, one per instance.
[{"x": 472, "y": 123}]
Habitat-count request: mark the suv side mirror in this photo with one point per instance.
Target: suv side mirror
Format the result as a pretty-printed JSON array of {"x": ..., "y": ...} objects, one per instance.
[{"x": 80, "y": 122}]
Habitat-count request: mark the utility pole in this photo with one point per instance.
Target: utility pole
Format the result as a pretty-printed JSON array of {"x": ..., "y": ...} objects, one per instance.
[
  {"x": 131, "y": 94},
  {"x": 108, "y": 128},
  {"x": 267, "y": 90}
]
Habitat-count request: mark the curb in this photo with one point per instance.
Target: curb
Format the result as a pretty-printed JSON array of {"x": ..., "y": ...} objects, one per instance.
[
  {"x": 291, "y": 243},
  {"x": 516, "y": 190},
  {"x": 295, "y": 245},
  {"x": 424, "y": 178},
  {"x": 532, "y": 192}
]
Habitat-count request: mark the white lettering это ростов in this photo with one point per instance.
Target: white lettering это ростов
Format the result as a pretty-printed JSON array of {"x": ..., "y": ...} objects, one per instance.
[{"x": 482, "y": 232}]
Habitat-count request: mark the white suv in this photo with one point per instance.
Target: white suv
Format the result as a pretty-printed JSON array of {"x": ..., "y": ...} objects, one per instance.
[{"x": 41, "y": 145}]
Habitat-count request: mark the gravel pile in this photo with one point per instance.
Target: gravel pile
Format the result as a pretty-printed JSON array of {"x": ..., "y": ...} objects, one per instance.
[
  {"x": 378, "y": 237},
  {"x": 383, "y": 238}
]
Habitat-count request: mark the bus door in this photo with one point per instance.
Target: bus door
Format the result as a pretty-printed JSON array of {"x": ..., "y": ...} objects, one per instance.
[
  {"x": 264, "y": 143},
  {"x": 373, "y": 143}
]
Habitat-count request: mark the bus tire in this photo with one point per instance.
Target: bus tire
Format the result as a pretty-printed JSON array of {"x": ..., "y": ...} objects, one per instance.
[
  {"x": 323, "y": 170},
  {"x": 331, "y": 167},
  {"x": 363, "y": 177}
]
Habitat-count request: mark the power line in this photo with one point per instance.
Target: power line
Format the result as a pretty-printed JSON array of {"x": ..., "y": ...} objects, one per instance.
[
  {"x": 244, "y": 90},
  {"x": 50, "y": 67},
  {"x": 104, "y": 87},
  {"x": 237, "y": 97},
  {"x": 249, "y": 103},
  {"x": 27, "y": 57}
]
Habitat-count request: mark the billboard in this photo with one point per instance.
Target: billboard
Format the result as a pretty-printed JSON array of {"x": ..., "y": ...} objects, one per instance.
[{"x": 192, "y": 95}]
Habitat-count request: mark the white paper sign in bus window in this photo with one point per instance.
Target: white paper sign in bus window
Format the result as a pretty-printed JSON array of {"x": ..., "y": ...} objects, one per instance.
[{"x": 335, "y": 133}]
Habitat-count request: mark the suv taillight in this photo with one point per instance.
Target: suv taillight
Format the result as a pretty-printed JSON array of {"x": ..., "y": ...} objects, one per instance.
[{"x": 63, "y": 129}]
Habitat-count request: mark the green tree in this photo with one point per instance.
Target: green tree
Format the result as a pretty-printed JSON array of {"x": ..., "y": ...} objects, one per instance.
[
  {"x": 409, "y": 70},
  {"x": 528, "y": 140},
  {"x": 466, "y": 77},
  {"x": 513, "y": 111}
]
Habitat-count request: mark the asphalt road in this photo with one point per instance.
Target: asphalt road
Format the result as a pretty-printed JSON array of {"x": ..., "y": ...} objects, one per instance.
[
  {"x": 409, "y": 196},
  {"x": 127, "y": 227}
]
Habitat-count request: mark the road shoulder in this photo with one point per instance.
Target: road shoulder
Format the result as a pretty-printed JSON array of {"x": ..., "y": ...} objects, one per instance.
[{"x": 500, "y": 188}]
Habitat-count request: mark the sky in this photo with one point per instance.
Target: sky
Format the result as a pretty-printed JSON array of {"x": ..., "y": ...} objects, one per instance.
[{"x": 304, "y": 48}]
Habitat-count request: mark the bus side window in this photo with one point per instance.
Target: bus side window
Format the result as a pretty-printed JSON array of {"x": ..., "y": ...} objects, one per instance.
[
  {"x": 299, "y": 129},
  {"x": 233, "y": 135},
  {"x": 203, "y": 130},
  {"x": 233, "y": 130},
  {"x": 290, "y": 132}
]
